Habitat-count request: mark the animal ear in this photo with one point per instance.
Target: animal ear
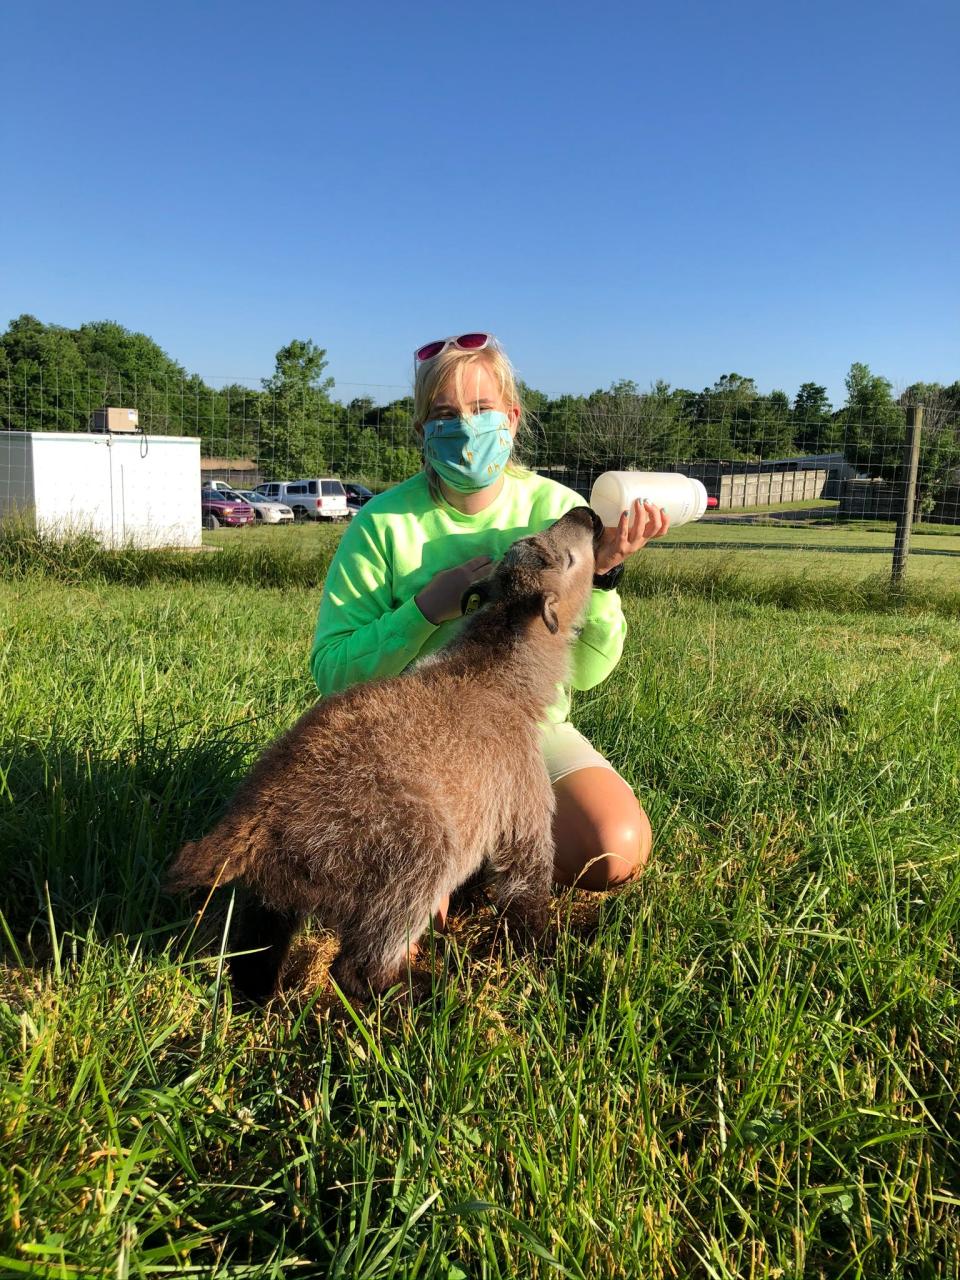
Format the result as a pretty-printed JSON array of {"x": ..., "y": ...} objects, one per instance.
[
  {"x": 548, "y": 611},
  {"x": 487, "y": 591}
]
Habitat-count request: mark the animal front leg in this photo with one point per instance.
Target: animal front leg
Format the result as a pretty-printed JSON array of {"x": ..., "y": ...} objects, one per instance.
[
  {"x": 262, "y": 936},
  {"x": 374, "y": 953},
  {"x": 521, "y": 887}
]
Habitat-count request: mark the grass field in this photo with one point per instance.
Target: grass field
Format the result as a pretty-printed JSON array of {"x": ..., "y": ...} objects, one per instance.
[
  {"x": 831, "y": 566},
  {"x": 830, "y": 537},
  {"x": 745, "y": 1065}
]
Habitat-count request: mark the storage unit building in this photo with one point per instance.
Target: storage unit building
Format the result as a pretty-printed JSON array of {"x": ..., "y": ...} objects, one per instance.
[{"x": 124, "y": 489}]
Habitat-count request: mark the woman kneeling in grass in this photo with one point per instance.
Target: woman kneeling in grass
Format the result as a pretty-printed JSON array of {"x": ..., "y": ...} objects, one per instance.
[{"x": 394, "y": 589}]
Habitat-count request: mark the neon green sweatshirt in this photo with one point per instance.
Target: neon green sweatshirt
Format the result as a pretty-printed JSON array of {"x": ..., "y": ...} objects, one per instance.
[{"x": 369, "y": 624}]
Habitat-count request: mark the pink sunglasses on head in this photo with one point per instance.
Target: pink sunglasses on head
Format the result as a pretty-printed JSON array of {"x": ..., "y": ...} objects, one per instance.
[{"x": 466, "y": 342}]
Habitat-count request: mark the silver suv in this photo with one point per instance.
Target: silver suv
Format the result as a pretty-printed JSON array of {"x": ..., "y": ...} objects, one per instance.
[{"x": 321, "y": 499}]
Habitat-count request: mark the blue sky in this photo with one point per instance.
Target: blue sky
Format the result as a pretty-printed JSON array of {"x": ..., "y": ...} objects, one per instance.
[{"x": 616, "y": 190}]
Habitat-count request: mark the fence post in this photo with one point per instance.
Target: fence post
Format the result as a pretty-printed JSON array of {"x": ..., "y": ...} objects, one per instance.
[{"x": 908, "y": 471}]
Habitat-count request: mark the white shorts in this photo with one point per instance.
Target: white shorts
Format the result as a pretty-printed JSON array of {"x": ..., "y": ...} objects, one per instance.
[{"x": 566, "y": 750}]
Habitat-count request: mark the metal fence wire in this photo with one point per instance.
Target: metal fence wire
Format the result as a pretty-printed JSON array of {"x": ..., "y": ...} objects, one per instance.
[{"x": 764, "y": 462}]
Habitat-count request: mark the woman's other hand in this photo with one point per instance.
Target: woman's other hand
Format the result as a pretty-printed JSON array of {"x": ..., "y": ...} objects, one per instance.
[
  {"x": 439, "y": 601},
  {"x": 632, "y": 531}
]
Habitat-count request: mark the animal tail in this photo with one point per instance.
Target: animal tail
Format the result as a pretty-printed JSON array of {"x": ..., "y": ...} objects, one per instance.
[{"x": 222, "y": 856}]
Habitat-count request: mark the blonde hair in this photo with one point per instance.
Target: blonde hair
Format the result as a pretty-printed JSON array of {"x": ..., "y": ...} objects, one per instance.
[{"x": 431, "y": 375}]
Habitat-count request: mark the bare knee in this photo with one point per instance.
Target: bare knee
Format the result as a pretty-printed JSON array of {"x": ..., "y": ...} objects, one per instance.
[
  {"x": 621, "y": 852},
  {"x": 602, "y": 835}
]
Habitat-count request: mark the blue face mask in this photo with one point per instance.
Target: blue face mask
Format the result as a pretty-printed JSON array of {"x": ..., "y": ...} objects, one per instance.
[{"x": 468, "y": 453}]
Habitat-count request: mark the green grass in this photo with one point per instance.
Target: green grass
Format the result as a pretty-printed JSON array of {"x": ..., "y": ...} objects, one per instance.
[
  {"x": 826, "y": 536},
  {"x": 840, "y": 566},
  {"x": 762, "y": 549},
  {"x": 823, "y": 513},
  {"x": 803, "y": 577},
  {"x": 744, "y": 1065}
]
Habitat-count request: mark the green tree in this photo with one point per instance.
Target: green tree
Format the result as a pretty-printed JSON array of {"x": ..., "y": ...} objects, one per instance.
[
  {"x": 560, "y": 424},
  {"x": 723, "y": 419},
  {"x": 813, "y": 426},
  {"x": 237, "y": 416},
  {"x": 626, "y": 427},
  {"x": 362, "y": 411},
  {"x": 395, "y": 419},
  {"x": 298, "y": 425},
  {"x": 771, "y": 429},
  {"x": 533, "y": 443},
  {"x": 126, "y": 359},
  {"x": 43, "y": 377},
  {"x": 55, "y": 377},
  {"x": 873, "y": 423},
  {"x": 939, "y": 438}
]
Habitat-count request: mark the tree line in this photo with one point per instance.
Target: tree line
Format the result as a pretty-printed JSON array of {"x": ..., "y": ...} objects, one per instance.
[{"x": 52, "y": 377}]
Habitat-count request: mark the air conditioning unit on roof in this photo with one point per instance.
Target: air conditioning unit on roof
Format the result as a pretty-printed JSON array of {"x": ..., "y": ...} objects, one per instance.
[{"x": 114, "y": 421}]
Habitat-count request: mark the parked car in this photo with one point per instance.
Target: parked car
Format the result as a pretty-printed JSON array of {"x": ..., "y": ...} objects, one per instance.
[
  {"x": 358, "y": 495},
  {"x": 217, "y": 509},
  {"x": 321, "y": 499},
  {"x": 266, "y": 511}
]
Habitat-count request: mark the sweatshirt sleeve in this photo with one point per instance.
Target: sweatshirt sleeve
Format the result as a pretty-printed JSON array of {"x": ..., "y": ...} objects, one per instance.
[
  {"x": 604, "y": 629},
  {"x": 598, "y": 648},
  {"x": 361, "y": 633}
]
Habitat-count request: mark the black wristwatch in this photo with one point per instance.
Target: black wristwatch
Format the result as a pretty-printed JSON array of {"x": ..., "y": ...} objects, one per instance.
[{"x": 608, "y": 581}]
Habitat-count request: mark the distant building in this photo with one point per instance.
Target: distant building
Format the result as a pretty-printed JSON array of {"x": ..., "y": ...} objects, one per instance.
[
  {"x": 836, "y": 466},
  {"x": 242, "y": 473}
]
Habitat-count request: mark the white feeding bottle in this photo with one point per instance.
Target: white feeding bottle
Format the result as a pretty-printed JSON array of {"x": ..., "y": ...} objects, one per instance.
[{"x": 683, "y": 498}]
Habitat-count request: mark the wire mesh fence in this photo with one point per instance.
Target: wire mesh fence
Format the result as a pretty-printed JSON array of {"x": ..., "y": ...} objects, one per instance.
[{"x": 802, "y": 472}]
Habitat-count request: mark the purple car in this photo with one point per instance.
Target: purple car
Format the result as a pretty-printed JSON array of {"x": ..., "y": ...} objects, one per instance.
[{"x": 217, "y": 509}]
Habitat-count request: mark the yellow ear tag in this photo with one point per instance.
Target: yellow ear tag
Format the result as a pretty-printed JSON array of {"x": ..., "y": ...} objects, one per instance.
[{"x": 473, "y": 604}]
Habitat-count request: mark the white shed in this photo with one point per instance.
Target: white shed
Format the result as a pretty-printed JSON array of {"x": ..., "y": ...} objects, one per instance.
[{"x": 125, "y": 489}]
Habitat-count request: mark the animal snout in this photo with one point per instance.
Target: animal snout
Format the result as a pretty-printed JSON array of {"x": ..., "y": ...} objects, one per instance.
[
  {"x": 585, "y": 516},
  {"x": 588, "y": 517}
]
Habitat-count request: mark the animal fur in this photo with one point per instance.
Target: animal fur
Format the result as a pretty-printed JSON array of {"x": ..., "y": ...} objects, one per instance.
[{"x": 383, "y": 799}]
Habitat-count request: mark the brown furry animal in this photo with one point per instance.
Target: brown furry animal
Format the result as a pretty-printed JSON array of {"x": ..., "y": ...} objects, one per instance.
[{"x": 383, "y": 799}]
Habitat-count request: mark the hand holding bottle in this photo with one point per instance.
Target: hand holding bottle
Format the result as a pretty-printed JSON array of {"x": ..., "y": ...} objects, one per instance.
[{"x": 632, "y": 531}]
